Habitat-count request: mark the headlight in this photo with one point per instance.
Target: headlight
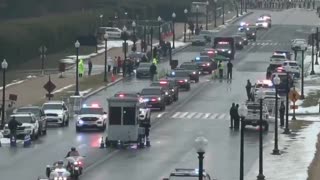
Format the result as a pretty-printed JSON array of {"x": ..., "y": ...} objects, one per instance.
[
  {"x": 257, "y": 24},
  {"x": 186, "y": 80},
  {"x": 159, "y": 98},
  {"x": 215, "y": 51},
  {"x": 75, "y": 163},
  {"x": 193, "y": 72},
  {"x": 166, "y": 93},
  {"x": 208, "y": 64},
  {"x": 60, "y": 115},
  {"x": 253, "y": 33},
  {"x": 245, "y": 39},
  {"x": 172, "y": 90},
  {"x": 80, "y": 122},
  {"x": 229, "y": 52},
  {"x": 240, "y": 42}
]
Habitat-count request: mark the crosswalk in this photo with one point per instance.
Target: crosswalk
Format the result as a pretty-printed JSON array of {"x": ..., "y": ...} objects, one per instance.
[
  {"x": 266, "y": 43},
  {"x": 200, "y": 115}
]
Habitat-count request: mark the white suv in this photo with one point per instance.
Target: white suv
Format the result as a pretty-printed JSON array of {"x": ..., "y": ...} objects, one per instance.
[
  {"x": 56, "y": 112},
  {"x": 91, "y": 117},
  {"x": 113, "y": 32},
  {"x": 30, "y": 125},
  {"x": 292, "y": 67}
]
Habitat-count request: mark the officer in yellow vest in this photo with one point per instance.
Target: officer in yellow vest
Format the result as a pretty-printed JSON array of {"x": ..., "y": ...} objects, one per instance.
[
  {"x": 220, "y": 67},
  {"x": 155, "y": 61}
]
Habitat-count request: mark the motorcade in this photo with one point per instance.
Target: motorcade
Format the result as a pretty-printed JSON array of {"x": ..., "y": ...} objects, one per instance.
[
  {"x": 38, "y": 113},
  {"x": 181, "y": 77},
  {"x": 242, "y": 26},
  {"x": 169, "y": 96},
  {"x": 154, "y": 97},
  {"x": 143, "y": 70},
  {"x": 112, "y": 32},
  {"x": 262, "y": 24},
  {"x": 251, "y": 33},
  {"x": 199, "y": 40},
  {"x": 91, "y": 116},
  {"x": 282, "y": 87},
  {"x": 75, "y": 166},
  {"x": 187, "y": 174},
  {"x": 238, "y": 42},
  {"x": 287, "y": 53},
  {"x": 144, "y": 111},
  {"x": 208, "y": 52},
  {"x": 272, "y": 68},
  {"x": 292, "y": 67},
  {"x": 170, "y": 84},
  {"x": 193, "y": 70},
  {"x": 205, "y": 64},
  {"x": 57, "y": 171},
  {"x": 264, "y": 84},
  {"x": 225, "y": 46},
  {"x": 269, "y": 98},
  {"x": 56, "y": 112},
  {"x": 253, "y": 116},
  {"x": 299, "y": 44},
  {"x": 30, "y": 126}
]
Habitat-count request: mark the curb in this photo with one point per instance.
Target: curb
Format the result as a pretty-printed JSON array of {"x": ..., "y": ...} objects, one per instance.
[
  {"x": 305, "y": 114},
  {"x": 102, "y": 88}
]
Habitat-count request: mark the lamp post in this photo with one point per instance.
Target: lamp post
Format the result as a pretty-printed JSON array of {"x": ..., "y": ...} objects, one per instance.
[
  {"x": 223, "y": 12},
  {"x": 317, "y": 45},
  {"x": 105, "y": 79},
  {"x": 77, "y": 46},
  {"x": 207, "y": 12},
  {"x": 215, "y": 13},
  {"x": 241, "y": 7},
  {"x": 124, "y": 37},
  {"x": 304, "y": 48},
  {"x": 245, "y": 6},
  {"x": 159, "y": 21},
  {"x": 101, "y": 20},
  {"x": 276, "y": 81},
  {"x": 243, "y": 111},
  {"x": 312, "y": 55},
  {"x": 200, "y": 146},
  {"x": 287, "y": 130},
  {"x": 260, "y": 176},
  {"x": 197, "y": 20},
  {"x": 145, "y": 38},
  {"x": 174, "y": 33},
  {"x": 4, "y": 66},
  {"x": 185, "y": 25},
  {"x": 134, "y": 38}
]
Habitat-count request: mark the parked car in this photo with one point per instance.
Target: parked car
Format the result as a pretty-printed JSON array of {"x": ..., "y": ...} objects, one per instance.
[
  {"x": 56, "y": 112},
  {"x": 143, "y": 70},
  {"x": 39, "y": 115}
]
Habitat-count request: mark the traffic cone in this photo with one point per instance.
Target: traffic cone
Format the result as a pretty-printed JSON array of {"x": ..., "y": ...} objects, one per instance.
[
  {"x": 27, "y": 140},
  {"x": 101, "y": 143},
  {"x": 13, "y": 141},
  {"x": 113, "y": 78}
]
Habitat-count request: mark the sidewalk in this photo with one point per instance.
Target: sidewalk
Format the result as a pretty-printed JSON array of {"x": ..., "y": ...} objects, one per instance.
[{"x": 31, "y": 90}]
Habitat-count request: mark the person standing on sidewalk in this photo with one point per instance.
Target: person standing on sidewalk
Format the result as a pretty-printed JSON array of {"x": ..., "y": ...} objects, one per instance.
[
  {"x": 89, "y": 67},
  {"x": 153, "y": 71},
  {"x": 115, "y": 66},
  {"x": 236, "y": 118},
  {"x": 229, "y": 70},
  {"x": 232, "y": 115},
  {"x": 248, "y": 89},
  {"x": 119, "y": 64},
  {"x": 109, "y": 62},
  {"x": 220, "y": 67},
  {"x": 282, "y": 110},
  {"x": 81, "y": 68}
]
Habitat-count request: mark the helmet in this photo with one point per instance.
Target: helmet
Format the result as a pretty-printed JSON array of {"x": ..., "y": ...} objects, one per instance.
[
  {"x": 60, "y": 162},
  {"x": 73, "y": 149}
]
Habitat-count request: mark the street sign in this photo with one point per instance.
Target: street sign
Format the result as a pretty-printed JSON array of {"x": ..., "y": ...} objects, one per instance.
[
  {"x": 43, "y": 49},
  {"x": 49, "y": 95},
  {"x": 293, "y": 106},
  {"x": 294, "y": 95},
  {"x": 49, "y": 86}
]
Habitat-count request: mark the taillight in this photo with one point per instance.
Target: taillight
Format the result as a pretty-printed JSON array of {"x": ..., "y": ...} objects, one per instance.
[{"x": 153, "y": 99}]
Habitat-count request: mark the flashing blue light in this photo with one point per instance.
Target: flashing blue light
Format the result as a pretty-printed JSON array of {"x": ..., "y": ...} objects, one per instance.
[
  {"x": 173, "y": 73},
  {"x": 197, "y": 58},
  {"x": 84, "y": 105},
  {"x": 145, "y": 100},
  {"x": 80, "y": 122}
]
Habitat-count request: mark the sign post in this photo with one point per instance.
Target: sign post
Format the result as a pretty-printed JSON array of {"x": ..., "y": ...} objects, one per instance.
[
  {"x": 42, "y": 50},
  {"x": 294, "y": 96},
  {"x": 49, "y": 86}
]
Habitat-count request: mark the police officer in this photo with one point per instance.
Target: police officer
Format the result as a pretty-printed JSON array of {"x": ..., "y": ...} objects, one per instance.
[
  {"x": 153, "y": 71},
  {"x": 220, "y": 67},
  {"x": 269, "y": 73},
  {"x": 90, "y": 67},
  {"x": 236, "y": 117},
  {"x": 282, "y": 111},
  {"x": 155, "y": 52},
  {"x": 232, "y": 112},
  {"x": 229, "y": 70},
  {"x": 248, "y": 89},
  {"x": 13, "y": 124}
]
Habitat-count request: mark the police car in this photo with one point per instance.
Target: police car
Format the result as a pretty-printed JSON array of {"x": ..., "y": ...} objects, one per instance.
[
  {"x": 91, "y": 116},
  {"x": 292, "y": 67},
  {"x": 278, "y": 58},
  {"x": 242, "y": 26},
  {"x": 187, "y": 174},
  {"x": 182, "y": 78},
  {"x": 30, "y": 126}
]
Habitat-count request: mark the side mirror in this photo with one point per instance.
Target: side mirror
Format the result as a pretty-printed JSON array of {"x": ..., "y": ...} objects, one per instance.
[{"x": 104, "y": 112}]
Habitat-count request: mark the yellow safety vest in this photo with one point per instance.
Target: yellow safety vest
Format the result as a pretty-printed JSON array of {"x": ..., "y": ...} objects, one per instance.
[{"x": 155, "y": 61}]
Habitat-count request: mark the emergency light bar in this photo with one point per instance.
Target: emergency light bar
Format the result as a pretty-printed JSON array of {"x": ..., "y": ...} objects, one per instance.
[
  {"x": 121, "y": 95},
  {"x": 210, "y": 52},
  {"x": 163, "y": 82},
  {"x": 197, "y": 58},
  {"x": 223, "y": 42},
  {"x": 92, "y": 105}
]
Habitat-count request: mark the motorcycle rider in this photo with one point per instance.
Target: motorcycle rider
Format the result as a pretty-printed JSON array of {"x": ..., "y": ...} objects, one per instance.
[
  {"x": 59, "y": 170},
  {"x": 73, "y": 152}
]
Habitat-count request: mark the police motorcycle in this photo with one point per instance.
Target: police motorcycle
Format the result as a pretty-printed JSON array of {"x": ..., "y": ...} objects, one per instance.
[
  {"x": 75, "y": 166},
  {"x": 57, "y": 171}
]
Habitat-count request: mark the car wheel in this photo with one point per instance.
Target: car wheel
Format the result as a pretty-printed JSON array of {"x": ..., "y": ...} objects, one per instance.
[
  {"x": 62, "y": 124},
  {"x": 44, "y": 132},
  {"x": 37, "y": 135},
  {"x": 188, "y": 88},
  {"x": 104, "y": 127},
  {"x": 78, "y": 129},
  {"x": 67, "y": 122},
  {"x": 197, "y": 80},
  {"x": 33, "y": 136}
]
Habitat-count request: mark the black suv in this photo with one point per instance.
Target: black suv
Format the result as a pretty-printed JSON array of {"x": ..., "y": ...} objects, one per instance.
[
  {"x": 238, "y": 40},
  {"x": 38, "y": 113},
  {"x": 193, "y": 70},
  {"x": 181, "y": 77},
  {"x": 251, "y": 33},
  {"x": 168, "y": 92},
  {"x": 205, "y": 64},
  {"x": 154, "y": 97}
]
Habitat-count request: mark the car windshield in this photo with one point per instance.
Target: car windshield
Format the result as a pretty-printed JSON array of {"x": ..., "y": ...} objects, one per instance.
[
  {"x": 263, "y": 86},
  {"x": 52, "y": 106},
  {"x": 180, "y": 74},
  {"x": 150, "y": 92},
  {"x": 184, "y": 177},
  {"x": 189, "y": 66},
  {"x": 91, "y": 111},
  {"x": 278, "y": 56},
  {"x": 222, "y": 46},
  {"x": 24, "y": 119},
  {"x": 253, "y": 107},
  {"x": 145, "y": 65},
  {"x": 34, "y": 111},
  {"x": 203, "y": 58}
]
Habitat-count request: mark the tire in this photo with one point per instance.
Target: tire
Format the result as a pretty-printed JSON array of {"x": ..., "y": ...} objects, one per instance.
[
  {"x": 176, "y": 97},
  {"x": 103, "y": 127},
  {"x": 188, "y": 88},
  {"x": 67, "y": 122},
  {"x": 33, "y": 136},
  {"x": 197, "y": 80},
  {"x": 44, "y": 132},
  {"x": 78, "y": 129},
  {"x": 62, "y": 124}
]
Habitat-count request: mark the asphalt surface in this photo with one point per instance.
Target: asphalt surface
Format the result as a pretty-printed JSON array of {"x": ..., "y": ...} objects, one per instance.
[{"x": 201, "y": 111}]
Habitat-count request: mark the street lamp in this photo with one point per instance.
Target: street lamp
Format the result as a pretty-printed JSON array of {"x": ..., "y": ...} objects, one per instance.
[
  {"x": 241, "y": 7},
  {"x": 105, "y": 56},
  {"x": 243, "y": 111},
  {"x": 101, "y": 20},
  {"x": 159, "y": 21},
  {"x": 185, "y": 24},
  {"x": 134, "y": 38},
  {"x": 312, "y": 55},
  {"x": 197, "y": 20},
  {"x": 317, "y": 45},
  {"x": 287, "y": 130},
  {"x": 200, "y": 146},
  {"x": 4, "y": 66},
  {"x": 303, "y": 49},
  {"x": 207, "y": 12},
  {"x": 260, "y": 95},
  {"x": 124, "y": 37},
  {"x": 276, "y": 81},
  {"x": 215, "y": 13},
  {"x": 77, "y": 46},
  {"x": 174, "y": 33}
]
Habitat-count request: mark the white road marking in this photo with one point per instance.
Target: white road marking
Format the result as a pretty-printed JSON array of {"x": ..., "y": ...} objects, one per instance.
[
  {"x": 191, "y": 115},
  {"x": 176, "y": 114},
  {"x": 214, "y": 116},
  {"x": 183, "y": 115},
  {"x": 221, "y": 116},
  {"x": 198, "y": 115},
  {"x": 206, "y": 115},
  {"x": 161, "y": 114}
]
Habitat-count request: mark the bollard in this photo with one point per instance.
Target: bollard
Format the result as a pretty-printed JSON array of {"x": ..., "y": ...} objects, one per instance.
[
  {"x": 101, "y": 143},
  {"x": 27, "y": 140},
  {"x": 13, "y": 141}
]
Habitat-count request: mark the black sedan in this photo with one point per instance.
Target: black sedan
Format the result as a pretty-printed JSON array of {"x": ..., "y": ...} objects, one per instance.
[
  {"x": 238, "y": 42},
  {"x": 143, "y": 70},
  {"x": 182, "y": 78},
  {"x": 205, "y": 64},
  {"x": 193, "y": 70},
  {"x": 154, "y": 97}
]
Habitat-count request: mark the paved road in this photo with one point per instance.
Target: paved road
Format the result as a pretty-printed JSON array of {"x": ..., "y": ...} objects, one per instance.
[{"x": 202, "y": 111}]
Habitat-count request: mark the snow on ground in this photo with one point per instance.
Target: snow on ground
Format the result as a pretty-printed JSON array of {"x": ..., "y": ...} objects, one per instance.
[
  {"x": 305, "y": 110},
  {"x": 63, "y": 88},
  {"x": 307, "y": 118},
  {"x": 297, "y": 154},
  {"x": 13, "y": 83}
]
